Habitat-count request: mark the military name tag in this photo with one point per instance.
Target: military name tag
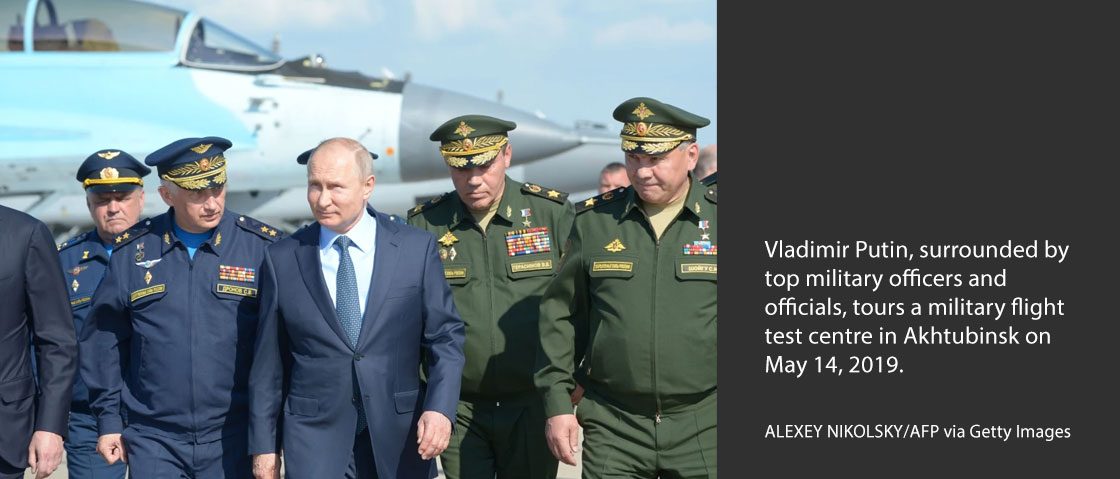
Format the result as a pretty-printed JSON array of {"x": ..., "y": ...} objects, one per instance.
[
  {"x": 530, "y": 265},
  {"x": 79, "y": 301},
  {"x": 238, "y": 290},
  {"x": 159, "y": 288},
  {"x": 626, "y": 266},
  {"x": 453, "y": 273},
  {"x": 702, "y": 268}
]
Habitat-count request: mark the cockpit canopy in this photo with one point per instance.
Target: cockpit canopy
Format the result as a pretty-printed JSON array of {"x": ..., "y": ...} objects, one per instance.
[{"x": 126, "y": 26}]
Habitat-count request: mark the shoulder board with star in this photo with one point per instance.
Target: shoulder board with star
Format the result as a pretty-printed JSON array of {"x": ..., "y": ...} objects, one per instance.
[
  {"x": 260, "y": 229},
  {"x": 427, "y": 204},
  {"x": 73, "y": 241},
  {"x": 597, "y": 201},
  {"x": 537, "y": 190},
  {"x": 136, "y": 231}
]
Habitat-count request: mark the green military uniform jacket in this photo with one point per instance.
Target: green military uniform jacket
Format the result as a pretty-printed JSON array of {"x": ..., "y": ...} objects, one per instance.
[
  {"x": 647, "y": 306},
  {"x": 497, "y": 278}
]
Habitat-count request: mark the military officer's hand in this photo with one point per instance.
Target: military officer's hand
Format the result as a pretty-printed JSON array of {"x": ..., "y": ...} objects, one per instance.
[
  {"x": 266, "y": 466},
  {"x": 577, "y": 394},
  {"x": 433, "y": 433},
  {"x": 44, "y": 453},
  {"x": 562, "y": 433},
  {"x": 111, "y": 448}
]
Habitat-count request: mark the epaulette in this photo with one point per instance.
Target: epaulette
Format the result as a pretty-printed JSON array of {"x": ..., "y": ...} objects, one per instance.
[
  {"x": 596, "y": 201},
  {"x": 554, "y": 195},
  {"x": 711, "y": 193},
  {"x": 397, "y": 219},
  {"x": 137, "y": 230},
  {"x": 709, "y": 180},
  {"x": 260, "y": 229},
  {"x": 73, "y": 241},
  {"x": 427, "y": 204}
]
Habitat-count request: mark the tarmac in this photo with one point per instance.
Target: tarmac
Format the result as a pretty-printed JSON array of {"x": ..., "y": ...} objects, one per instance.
[{"x": 565, "y": 471}]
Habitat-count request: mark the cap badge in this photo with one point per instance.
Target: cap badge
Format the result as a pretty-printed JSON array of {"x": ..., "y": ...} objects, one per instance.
[
  {"x": 109, "y": 173},
  {"x": 615, "y": 246},
  {"x": 108, "y": 155},
  {"x": 468, "y": 145},
  {"x": 463, "y": 129},
  {"x": 642, "y": 112},
  {"x": 200, "y": 149},
  {"x": 642, "y": 128},
  {"x": 204, "y": 164}
]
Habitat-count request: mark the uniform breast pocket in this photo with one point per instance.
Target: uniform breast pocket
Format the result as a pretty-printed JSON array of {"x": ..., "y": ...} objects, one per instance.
[
  {"x": 693, "y": 268},
  {"x": 146, "y": 296},
  {"x": 457, "y": 273},
  {"x": 80, "y": 301},
  {"x": 528, "y": 266},
  {"x": 242, "y": 293}
]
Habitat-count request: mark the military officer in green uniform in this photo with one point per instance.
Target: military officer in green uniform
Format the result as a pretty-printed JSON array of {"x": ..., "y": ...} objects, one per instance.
[
  {"x": 501, "y": 241},
  {"x": 639, "y": 279}
]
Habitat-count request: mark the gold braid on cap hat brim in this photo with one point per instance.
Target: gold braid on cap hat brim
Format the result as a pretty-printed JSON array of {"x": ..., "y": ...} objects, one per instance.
[
  {"x": 475, "y": 151},
  {"x": 111, "y": 181},
  {"x": 198, "y": 178},
  {"x": 658, "y": 138}
]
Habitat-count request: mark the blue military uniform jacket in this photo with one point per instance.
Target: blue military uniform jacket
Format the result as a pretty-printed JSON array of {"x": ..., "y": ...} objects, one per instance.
[
  {"x": 84, "y": 259},
  {"x": 170, "y": 339}
]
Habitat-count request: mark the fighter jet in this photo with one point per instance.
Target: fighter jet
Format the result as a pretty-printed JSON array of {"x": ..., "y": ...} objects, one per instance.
[{"x": 77, "y": 76}]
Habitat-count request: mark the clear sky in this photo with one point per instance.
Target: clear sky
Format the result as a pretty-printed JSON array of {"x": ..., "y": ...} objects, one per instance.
[{"x": 568, "y": 59}]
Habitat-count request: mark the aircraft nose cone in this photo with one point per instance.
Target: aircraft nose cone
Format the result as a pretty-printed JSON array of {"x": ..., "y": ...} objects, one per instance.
[{"x": 424, "y": 108}]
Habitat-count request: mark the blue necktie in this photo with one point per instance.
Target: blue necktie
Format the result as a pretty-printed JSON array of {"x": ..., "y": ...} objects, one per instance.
[{"x": 349, "y": 310}]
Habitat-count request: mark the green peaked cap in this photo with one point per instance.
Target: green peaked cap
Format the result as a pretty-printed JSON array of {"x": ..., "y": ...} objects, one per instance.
[
  {"x": 471, "y": 140},
  {"x": 652, "y": 127}
]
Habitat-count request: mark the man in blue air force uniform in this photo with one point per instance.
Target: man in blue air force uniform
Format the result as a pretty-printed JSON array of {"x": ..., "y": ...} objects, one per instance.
[
  {"x": 169, "y": 337},
  {"x": 114, "y": 185}
]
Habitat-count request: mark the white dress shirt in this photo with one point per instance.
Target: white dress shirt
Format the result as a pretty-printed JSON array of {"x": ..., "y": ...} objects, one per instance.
[{"x": 363, "y": 237}]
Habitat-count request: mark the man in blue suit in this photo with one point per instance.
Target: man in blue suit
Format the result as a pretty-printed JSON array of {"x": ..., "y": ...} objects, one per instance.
[{"x": 351, "y": 306}]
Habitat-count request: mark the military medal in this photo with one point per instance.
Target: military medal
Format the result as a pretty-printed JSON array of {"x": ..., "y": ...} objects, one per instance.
[
  {"x": 443, "y": 254},
  {"x": 525, "y": 213},
  {"x": 452, "y": 253},
  {"x": 74, "y": 285},
  {"x": 528, "y": 241},
  {"x": 237, "y": 273},
  {"x": 139, "y": 251},
  {"x": 702, "y": 247},
  {"x": 148, "y": 277}
]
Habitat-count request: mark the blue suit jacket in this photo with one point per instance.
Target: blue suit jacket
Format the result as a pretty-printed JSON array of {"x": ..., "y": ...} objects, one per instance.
[{"x": 301, "y": 388}]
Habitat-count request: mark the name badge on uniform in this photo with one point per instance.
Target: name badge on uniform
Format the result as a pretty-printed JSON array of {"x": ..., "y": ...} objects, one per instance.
[
  {"x": 238, "y": 290},
  {"x": 530, "y": 266},
  {"x": 626, "y": 266},
  {"x": 159, "y": 288},
  {"x": 453, "y": 273}
]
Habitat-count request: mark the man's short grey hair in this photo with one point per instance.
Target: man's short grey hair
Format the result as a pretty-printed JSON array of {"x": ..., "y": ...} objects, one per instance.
[
  {"x": 706, "y": 163},
  {"x": 361, "y": 155},
  {"x": 613, "y": 167}
]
